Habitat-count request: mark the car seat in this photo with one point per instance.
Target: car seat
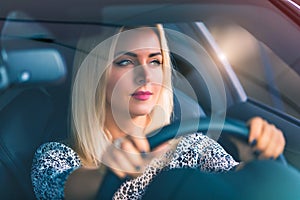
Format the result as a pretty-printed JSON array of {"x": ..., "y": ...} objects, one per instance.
[
  {"x": 24, "y": 118},
  {"x": 30, "y": 114}
]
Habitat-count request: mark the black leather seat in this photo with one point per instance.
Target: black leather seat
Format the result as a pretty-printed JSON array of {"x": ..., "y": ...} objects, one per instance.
[
  {"x": 23, "y": 122},
  {"x": 31, "y": 115}
]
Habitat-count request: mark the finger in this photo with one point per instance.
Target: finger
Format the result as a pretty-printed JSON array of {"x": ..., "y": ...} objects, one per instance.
[
  {"x": 278, "y": 144},
  {"x": 115, "y": 157},
  {"x": 271, "y": 151},
  {"x": 121, "y": 162},
  {"x": 265, "y": 137},
  {"x": 141, "y": 143},
  {"x": 256, "y": 126},
  {"x": 133, "y": 155},
  {"x": 282, "y": 143}
]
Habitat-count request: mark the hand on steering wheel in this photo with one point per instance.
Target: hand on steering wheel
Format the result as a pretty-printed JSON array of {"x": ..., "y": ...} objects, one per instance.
[
  {"x": 233, "y": 128},
  {"x": 259, "y": 136}
]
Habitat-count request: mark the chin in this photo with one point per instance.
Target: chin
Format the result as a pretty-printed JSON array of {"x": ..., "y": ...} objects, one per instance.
[{"x": 140, "y": 112}]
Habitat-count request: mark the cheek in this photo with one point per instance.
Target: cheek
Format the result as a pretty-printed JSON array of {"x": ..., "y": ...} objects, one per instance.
[
  {"x": 157, "y": 76},
  {"x": 117, "y": 83}
]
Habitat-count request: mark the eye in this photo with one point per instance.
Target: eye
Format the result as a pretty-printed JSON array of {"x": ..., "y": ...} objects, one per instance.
[
  {"x": 156, "y": 62},
  {"x": 123, "y": 63}
]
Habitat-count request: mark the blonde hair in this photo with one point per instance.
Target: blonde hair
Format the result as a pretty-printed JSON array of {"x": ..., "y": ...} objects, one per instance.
[{"x": 88, "y": 101}]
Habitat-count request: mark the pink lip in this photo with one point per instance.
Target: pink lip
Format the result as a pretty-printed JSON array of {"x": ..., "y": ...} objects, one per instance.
[{"x": 142, "y": 95}]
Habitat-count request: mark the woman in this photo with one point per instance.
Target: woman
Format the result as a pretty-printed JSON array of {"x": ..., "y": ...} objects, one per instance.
[{"x": 121, "y": 91}]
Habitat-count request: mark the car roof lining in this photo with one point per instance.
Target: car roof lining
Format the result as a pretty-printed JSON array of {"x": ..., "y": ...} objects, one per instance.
[{"x": 74, "y": 10}]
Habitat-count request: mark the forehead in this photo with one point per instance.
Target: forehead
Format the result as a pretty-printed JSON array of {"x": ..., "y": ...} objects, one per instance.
[{"x": 138, "y": 39}]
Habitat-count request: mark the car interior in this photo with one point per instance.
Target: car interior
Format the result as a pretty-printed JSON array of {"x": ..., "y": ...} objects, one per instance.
[
  {"x": 32, "y": 113},
  {"x": 36, "y": 111}
]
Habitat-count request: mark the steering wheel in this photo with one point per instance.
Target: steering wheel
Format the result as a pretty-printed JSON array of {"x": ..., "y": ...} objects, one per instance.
[{"x": 229, "y": 127}]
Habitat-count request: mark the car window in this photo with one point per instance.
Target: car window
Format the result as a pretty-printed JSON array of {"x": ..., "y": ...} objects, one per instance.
[{"x": 263, "y": 74}]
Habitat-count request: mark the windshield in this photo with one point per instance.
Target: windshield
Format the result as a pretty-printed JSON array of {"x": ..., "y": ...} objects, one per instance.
[{"x": 263, "y": 74}]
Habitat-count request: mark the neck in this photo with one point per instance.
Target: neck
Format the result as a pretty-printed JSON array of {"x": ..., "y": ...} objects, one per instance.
[{"x": 120, "y": 126}]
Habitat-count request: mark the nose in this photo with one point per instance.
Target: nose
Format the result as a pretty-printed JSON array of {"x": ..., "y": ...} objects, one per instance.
[{"x": 142, "y": 74}]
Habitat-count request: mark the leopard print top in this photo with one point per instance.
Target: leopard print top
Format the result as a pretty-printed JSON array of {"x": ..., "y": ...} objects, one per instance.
[{"x": 54, "y": 162}]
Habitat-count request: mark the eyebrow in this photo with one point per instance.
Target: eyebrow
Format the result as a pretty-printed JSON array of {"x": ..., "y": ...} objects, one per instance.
[{"x": 135, "y": 55}]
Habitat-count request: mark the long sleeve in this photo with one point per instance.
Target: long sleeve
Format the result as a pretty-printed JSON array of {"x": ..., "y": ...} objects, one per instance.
[
  {"x": 193, "y": 151},
  {"x": 52, "y": 164},
  {"x": 199, "y": 151}
]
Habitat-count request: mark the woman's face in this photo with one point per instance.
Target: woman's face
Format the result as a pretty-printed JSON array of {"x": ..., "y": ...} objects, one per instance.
[{"x": 135, "y": 78}]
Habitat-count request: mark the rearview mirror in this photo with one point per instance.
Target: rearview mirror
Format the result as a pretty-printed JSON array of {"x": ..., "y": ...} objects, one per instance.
[{"x": 33, "y": 66}]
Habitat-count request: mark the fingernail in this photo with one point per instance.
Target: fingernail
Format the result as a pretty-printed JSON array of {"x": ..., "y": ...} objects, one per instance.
[
  {"x": 256, "y": 153},
  {"x": 143, "y": 154},
  {"x": 137, "y": 168},
  {"x": 253, "y": 143}
]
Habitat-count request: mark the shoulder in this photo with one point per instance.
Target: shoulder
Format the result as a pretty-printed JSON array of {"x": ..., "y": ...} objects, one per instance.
[
  {"x": 57, "y": 151},
  {"x": 53, "y": 162},
  {"x": 54, "y": 146}
]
